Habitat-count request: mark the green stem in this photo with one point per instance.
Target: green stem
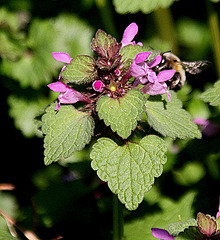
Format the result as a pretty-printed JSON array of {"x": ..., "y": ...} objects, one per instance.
[
  {"x": 107, "y": 19},
  {"x": 118, "y": 219},
  {"x": 215, "y": 33},
  {"x": 165, "y": 25}
]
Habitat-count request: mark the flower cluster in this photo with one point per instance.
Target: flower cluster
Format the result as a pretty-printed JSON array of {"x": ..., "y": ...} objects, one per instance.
[{"x": 111, "y": 73}]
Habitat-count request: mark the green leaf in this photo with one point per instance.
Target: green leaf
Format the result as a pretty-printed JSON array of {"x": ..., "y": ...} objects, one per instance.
[
  {"x": 146, "y": 6},
  {"x": 102, "y": 43},
  {"x": 176, "y": 228},
  {"x": 35, "y": 67},
  {"x": 129, "y": 169},
  {"x": 169, "y": 118},
  {"x": 129, "y": 52},
  {"x": 67, "y": 131},
  {"x": 122, "y": 114},
  {"x": 81, "y": 70},
  {"x": 189, "y": 234},
  {"x": 212, "y": 95}
]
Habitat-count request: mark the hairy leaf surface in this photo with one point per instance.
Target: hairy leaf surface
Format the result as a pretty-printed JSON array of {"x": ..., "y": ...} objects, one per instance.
[
  {"x": 129, "y": 169},
  {"x": 67, "y": 131},
  {"x": 212, "y": 95},
  {"x": 81, "y": 70},
  {"x": 122, "y": 114},
  {"x": 169, "y": 118}
]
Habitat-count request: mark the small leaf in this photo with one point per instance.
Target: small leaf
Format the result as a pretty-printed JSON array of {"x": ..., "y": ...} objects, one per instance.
[
  {"x": 146, "y": 6},
  {"x": 122, "y": 114},
  {"x": 105, "y": 45},
  {"x": 169, "y": 118},
  {"x": 176, "y": 228},
  {"x": 67, "y": 131},
  {"x": 81, "y": 70},
  {"x": 212, "y": 95},
  {"x": 206, "y": 224},
  {"x": 129, "y": 169}
]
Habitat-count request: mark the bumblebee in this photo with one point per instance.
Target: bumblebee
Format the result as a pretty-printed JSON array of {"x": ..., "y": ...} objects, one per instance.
[{"x": 171, "y": 61}]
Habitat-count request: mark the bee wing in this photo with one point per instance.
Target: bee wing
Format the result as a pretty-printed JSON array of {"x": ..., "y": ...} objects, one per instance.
[{"x": 196, "y": 66}]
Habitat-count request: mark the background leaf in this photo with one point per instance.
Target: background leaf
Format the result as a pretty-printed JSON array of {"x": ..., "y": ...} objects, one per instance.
[
  {"x": 169, "y": 118},
  {"x": 212, "y": 95},
  {"x": 122, "y": 114},
  {"x": 67, "y": 131},
  {"x": 145, "y": 6},
  {"x": 130, "y": 169}
]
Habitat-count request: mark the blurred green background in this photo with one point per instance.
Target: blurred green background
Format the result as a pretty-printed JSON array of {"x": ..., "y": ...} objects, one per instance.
[{"x": 66, "y": 200}]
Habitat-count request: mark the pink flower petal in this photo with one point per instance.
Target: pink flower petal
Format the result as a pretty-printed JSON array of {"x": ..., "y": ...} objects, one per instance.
[
  {"x": 161, "y": 234},
  {"x": 218, "y": 213},
  {"x": 129, "y": 34},
  {"x": 154, "y": 88},
  {"x": 72, "y": 96},
  {"x": 165, "y": 75},
  {"x": 62, "y": 57},
  {"x": 141, "y": 57},
  {"x": 57, "y": 87},
  {"x": 155, "y": 62}
]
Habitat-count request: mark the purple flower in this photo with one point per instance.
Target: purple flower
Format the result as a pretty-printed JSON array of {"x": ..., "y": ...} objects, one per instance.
[
  {"x": 161, "y": 234},
  {"x": 143, "y": 73},
  {"x": 98, "y": 85},
  {"x": 62, "y": 57},
  {"x": 67, "y": 95},
  {"x": 208, "y": 128},
  {"x": 129, "y": 34}
]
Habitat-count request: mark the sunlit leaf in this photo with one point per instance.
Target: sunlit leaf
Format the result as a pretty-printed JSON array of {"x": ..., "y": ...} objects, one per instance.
[
  {"x": 67, "y": 131},
  {"x": 122, "y": 114},
  {"x": 129, "y": 169},
  {"x": 169, "y": 118}
]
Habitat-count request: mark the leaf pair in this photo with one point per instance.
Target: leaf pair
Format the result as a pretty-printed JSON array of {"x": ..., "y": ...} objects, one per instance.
[{"x": 168, "y": 118}]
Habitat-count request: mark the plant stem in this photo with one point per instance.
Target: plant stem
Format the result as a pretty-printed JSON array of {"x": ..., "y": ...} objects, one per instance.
[
  {"x": 165, "y": 25},
  {"x": 118, "y": 220},
  {"x": 215, "y": 33}
]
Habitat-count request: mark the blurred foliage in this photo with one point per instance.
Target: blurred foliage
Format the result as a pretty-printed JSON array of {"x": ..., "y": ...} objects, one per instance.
[{"x": 68, "y": 197}]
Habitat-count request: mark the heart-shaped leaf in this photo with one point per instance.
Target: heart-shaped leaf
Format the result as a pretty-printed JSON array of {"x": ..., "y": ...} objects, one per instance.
[
  {"x": 169, "y": 118},
  {"x": 67, "y": 131},
  {"x": 129, "y": 169},
  {"x": 122, "y": 114},
  {"x": 81, "y": 70}
]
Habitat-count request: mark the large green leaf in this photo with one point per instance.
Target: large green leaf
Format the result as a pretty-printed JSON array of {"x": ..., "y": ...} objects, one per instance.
[
  {"x": 81, "y": 70},
  {"x": 146, "y": 6},
  {"x": 169, "y": 118},
  {"x": 122, "y": 114},
  {"x": 129, "y": 169},
  {"x": 67, "y": 131},
  {"x": 212, "y": 95}
]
